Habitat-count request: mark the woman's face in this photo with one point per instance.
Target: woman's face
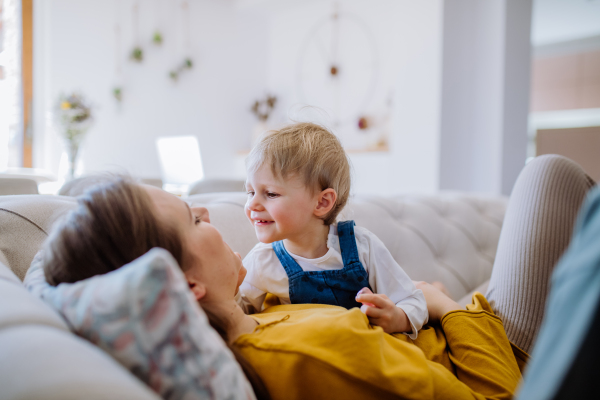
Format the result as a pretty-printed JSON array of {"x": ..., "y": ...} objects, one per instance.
[{"x": 213, "y": 270}]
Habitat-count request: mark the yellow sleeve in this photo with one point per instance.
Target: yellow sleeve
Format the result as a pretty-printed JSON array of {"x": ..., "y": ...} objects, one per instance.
[{"x": 480, "y": 352}]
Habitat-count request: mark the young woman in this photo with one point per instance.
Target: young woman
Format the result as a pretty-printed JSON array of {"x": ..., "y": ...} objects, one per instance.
[{"x": 312, "y": 351}]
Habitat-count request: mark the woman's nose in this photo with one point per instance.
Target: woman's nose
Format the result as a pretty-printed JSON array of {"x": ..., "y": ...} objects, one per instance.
[{"x": 202, "y": 212}]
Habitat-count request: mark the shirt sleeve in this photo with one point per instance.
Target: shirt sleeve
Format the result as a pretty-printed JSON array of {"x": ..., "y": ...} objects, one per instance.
[
  {"x": 249, "y": 297},
  {"x": 387, "y": 277}
]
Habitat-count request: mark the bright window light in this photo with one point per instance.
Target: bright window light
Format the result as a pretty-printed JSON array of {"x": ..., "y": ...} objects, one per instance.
[{"x": 180, "y": 160}]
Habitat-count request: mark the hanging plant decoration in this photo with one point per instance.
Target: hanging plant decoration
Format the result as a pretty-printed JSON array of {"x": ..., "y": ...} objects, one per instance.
[
  {"x": 118, "y": 93},
  {"x": 187, "y": 64},
  {"x": 157, "y": 38},
  {"x": 117, "y": 88},
  {"x": 137, "y": 54},
  {"x": 263, "y": 108}
]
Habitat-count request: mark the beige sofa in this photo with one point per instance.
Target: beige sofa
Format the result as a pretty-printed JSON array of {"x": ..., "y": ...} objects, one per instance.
[{"x": 449, "y": 237}]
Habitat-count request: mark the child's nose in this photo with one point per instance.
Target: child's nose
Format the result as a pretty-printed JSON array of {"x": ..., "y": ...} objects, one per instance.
[{"x": 254, "y": 204}]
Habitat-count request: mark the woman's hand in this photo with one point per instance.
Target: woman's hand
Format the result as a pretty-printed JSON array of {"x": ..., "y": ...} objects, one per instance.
[
  {"x": 438, "y": 303},
  {"x": 382, "y": 312}
]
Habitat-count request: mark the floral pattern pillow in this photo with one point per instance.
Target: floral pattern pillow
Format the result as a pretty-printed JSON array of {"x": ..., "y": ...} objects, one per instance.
[{"x": 144, "y": 315}]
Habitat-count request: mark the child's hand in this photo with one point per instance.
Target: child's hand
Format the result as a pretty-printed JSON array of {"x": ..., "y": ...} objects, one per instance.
[{"x": 382, "y": 312}]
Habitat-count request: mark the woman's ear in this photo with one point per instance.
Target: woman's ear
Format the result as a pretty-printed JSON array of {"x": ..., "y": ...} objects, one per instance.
[
  {"x": 197, "y": 288},
  {"x": 325, "y": 202}
]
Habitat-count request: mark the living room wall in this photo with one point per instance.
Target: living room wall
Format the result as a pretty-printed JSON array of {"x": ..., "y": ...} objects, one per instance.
[
  {"x": 406, "y": 40},
  {"x": 76, "y": 50},
  {"x": 440, "y": 135}
]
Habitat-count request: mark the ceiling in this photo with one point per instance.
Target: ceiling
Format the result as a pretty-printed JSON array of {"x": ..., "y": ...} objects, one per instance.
[{"x": 556, "y": 21}]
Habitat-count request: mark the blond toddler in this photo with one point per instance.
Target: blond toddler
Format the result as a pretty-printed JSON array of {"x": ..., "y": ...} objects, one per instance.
[{"x": 298, "y": 182}]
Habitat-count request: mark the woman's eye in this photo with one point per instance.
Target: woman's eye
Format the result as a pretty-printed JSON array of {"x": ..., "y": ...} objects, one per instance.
[{"x": 198, "y": 220}]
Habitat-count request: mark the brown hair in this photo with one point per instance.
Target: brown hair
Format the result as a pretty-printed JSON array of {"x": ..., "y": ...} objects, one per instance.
[
  {"x": 310, "y": 151},
  {"x": 115, "y": 223}
]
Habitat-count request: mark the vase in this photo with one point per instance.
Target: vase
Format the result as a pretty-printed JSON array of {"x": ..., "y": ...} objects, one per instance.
[{"x": 72, "y": 143}]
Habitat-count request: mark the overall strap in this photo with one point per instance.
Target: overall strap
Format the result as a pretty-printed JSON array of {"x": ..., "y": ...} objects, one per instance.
[
  {"x": 347, "y": 242},
  {"x": 289, "y": 264}
]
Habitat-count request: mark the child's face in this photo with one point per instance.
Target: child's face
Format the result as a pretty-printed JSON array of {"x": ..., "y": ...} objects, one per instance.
[{"x": 280, "y": 209}]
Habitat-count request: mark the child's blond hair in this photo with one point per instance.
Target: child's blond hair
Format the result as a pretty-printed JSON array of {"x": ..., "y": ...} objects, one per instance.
[{"x": 310, "y": 151}]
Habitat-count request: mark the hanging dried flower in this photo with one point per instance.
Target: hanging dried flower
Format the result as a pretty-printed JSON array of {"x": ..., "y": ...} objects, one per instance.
[{"x": 263, "y": 108}]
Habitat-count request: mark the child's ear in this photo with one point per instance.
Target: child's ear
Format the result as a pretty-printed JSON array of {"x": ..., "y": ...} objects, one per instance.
[{"x": 325, "y": 202}]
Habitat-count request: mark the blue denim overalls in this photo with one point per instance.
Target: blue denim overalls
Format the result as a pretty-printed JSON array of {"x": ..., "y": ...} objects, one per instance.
[{"x": 335, "y": 287}]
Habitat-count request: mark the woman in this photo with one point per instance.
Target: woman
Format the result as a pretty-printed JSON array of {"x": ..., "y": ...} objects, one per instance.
[{"x": 299, "y": 351}]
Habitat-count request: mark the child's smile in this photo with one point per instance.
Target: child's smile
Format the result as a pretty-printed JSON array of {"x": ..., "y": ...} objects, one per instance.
[{"x": 280, "y": 208}]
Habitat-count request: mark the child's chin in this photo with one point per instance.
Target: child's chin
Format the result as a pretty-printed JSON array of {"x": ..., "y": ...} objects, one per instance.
[{"x": 266, "y": 239}]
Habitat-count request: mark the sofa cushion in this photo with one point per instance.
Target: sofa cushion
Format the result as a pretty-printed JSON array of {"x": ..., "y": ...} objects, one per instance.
[
  {"x": 24, "y": 224},
  {"x": 19, "y": 307},
  {"x": 145, "y": 316},
  {"x": 41, "y": 362}
]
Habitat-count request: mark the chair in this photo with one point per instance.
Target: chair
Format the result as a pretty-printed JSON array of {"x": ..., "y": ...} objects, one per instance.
[
  {"x": 10, "y": 186},
  {"x": 217, "y": 185}
]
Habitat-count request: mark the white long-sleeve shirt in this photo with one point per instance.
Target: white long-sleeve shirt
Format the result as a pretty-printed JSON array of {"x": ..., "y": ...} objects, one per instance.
[{"x": 267, "y": 275}]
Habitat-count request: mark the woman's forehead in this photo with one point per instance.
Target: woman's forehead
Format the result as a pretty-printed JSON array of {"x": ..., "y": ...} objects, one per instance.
[{"x": 167, "y": 204}]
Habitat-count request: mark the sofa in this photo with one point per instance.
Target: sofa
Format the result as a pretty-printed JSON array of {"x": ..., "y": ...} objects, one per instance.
[{"x": 449, "y": 237}]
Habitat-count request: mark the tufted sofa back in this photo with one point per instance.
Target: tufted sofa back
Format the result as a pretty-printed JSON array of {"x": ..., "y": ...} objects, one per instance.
[{"x": 447, "y": 237}]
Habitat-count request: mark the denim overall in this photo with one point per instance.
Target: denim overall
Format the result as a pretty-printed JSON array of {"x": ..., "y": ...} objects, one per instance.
[{"x": 335, "y": 287}]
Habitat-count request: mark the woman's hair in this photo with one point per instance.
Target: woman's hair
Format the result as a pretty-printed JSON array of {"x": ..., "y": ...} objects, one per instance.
[
  {"x": 310, "y": 151},
  {"x": 115, "y": 223}
]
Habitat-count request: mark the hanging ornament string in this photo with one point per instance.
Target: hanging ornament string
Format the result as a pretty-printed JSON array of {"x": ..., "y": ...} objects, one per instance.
[
  {"x": 137, "y": 54},
  {"x": 186, "y": 26},
  {"x": 335, "y": 67},
  {"x": 187, "y": 62}
]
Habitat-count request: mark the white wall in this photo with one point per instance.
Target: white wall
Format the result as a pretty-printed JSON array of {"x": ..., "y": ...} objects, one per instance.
[
  {"x": 408, "y": 43},
  {"x": 454, "y": 69},
  {"x": 76, "y": 51},
  {"x": 485, "y": 96}
]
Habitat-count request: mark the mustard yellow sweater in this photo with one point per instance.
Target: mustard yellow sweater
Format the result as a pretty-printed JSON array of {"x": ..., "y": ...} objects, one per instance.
[{"x": 315, "y": 351}]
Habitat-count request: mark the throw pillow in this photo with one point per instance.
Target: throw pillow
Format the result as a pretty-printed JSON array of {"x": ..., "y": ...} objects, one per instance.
[{"x": 145, "y": 316}]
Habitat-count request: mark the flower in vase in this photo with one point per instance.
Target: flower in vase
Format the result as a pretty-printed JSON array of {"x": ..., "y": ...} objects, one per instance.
[{"x": 75, "y": 117}]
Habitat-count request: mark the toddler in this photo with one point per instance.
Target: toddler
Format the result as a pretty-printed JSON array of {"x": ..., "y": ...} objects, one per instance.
[{"x": 298, "y": 182}]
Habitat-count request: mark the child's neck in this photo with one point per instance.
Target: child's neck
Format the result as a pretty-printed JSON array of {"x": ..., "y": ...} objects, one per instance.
[{"x": 312, "y": 243}]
